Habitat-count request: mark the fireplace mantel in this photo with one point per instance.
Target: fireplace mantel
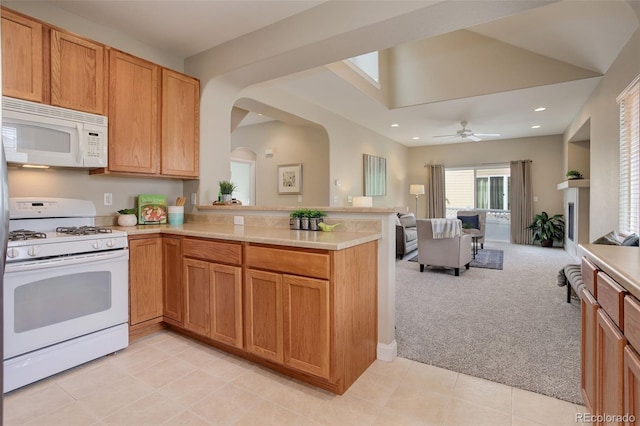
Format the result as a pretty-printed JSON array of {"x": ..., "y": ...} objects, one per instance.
[{"x": 573, "y": 183}]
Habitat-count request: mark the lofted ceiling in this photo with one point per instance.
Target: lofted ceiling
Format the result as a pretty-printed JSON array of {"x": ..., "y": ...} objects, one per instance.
[{"x": 587, "y": 34}]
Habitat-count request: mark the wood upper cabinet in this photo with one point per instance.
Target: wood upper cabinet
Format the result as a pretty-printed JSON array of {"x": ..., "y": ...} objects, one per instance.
[
  {"x": 22, "y": 57},
  {"x": 172, "y": 280},
  {"x": 133, "y": 114},
  {"x": 78, "y": 73},
  {"x": 145, "y": 279},
  {"x": 180, "y": 125}
]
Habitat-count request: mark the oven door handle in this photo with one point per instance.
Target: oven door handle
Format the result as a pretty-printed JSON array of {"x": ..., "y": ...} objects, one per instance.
[{"x": 67, "y": 261}]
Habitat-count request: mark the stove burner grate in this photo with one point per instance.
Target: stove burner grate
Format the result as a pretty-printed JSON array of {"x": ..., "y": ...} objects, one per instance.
[
  {"x": 82, "y": 230},
  {"x": 24, "y": 234}
]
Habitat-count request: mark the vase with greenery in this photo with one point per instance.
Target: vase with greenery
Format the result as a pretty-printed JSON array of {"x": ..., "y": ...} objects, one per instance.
[
  {"x": 573, "y": 174},
  {"x": 315, "y": 217},
  {"x": 547, "y": 229},
  {"x": 128, "y": 217},
  {"x": 226, "y": 189},
  {"x": 295, "y": 218}
]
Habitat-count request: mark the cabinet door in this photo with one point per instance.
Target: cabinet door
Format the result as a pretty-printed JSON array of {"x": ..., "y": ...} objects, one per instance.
[
  {"x": 197, "y": 296},
  {"x": 306, "y": 324},
  {"x": 133, "y": 114},
  {"x": 226, "y": 304},
  {"x": 22, "y": 57},
  {"x": 180, "y": 124},
  {"x": 610, "y": 345},
  {"x": 78, "y": 76},
  {"x": 145, "y": 279},
  {"x": 172, "y": 279},
  {"x": 631, "y": 382},
  {"x": 589, "y": 311},
  {"x": 263, "y": 298}
]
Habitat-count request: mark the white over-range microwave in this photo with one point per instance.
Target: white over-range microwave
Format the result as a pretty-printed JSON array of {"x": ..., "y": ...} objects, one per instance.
[{"x": 38, "y": 134}]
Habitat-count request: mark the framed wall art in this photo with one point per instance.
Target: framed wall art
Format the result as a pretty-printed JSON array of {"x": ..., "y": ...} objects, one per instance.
[
  {"x": 375, "y": 175},
  {"x": 290, "y": 178}
]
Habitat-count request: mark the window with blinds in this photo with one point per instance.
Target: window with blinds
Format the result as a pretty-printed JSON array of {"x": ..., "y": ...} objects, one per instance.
[{"x": 629, "y": 101}]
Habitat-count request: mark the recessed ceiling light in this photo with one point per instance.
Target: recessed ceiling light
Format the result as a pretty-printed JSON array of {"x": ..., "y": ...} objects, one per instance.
[
  {"x": 537, "y": 126},
  {"x": 539, "y": 109},
  {"x": 395, "y": 125},
  {"x": 415, "y": 138}
]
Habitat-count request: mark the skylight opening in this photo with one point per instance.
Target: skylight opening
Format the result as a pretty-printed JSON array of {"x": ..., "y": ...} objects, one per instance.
[{"x": 367, "y": 66}]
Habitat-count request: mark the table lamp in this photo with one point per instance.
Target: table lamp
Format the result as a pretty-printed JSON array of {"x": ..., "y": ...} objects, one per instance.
[{"x": 416, "y": 190}]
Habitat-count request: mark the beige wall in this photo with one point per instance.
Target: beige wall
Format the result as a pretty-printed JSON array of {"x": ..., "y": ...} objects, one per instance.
[
  {"x": 544, "y": 152},
  {"x": 602, "y": 111},
  {"x": 79, "y": 184},
  {"x": 291, "y": 144}
]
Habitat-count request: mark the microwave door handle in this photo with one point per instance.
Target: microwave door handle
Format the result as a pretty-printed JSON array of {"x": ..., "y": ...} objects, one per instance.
[{"x": 80, "y": 143}]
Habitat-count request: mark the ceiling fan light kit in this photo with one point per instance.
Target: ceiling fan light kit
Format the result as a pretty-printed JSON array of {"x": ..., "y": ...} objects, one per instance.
[{"x": 465, "y": 133}]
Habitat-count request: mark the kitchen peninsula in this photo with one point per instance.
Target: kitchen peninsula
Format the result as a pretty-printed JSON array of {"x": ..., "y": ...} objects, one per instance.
[{"x": 303, "y": 303}]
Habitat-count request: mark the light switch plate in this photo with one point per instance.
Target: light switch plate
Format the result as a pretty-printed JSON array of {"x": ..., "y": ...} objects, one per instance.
[
  {"x": 108, "y": 198},
  {"x": 238, "y": 220},
  {"x": 194, "y": 198}
]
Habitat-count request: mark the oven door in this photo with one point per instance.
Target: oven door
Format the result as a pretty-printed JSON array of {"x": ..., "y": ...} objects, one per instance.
[{"x": 54, "y": 300}]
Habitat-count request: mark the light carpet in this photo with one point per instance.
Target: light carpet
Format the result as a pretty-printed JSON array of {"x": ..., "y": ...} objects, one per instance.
[
  {"x": 485, "y": 258},
  {"x": 511, "y": 326}
]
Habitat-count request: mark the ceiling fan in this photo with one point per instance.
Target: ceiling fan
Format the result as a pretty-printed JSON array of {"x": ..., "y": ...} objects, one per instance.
[{"x": 465, "y": 133}]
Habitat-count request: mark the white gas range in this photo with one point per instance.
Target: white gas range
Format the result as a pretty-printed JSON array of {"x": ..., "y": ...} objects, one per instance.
[{"x": 65, "y": 289}]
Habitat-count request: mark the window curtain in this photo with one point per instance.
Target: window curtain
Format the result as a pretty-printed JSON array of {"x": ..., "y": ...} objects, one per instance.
[
  {"x": 435, "y": 191},
  {"x": 521, "y": 202}
]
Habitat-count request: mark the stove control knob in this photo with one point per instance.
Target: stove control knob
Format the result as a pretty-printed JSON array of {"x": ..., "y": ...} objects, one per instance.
[
  {"x": 96, "y": 244},
  {"x": 110, "y": 243},
  {"x": 33, "y": 251},
  {"x": 12, "y": 252}
]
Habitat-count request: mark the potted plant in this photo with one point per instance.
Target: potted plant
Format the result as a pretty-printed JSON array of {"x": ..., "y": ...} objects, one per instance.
[
  {"x": 573, "y": 174},
  {"x": 128, "y": 217},
  {"x": 547, "y": 229},
  {"x": 226, "y": 189},
  {"x": 315, "y": 217},
  {"x": 294, "y": 218}
]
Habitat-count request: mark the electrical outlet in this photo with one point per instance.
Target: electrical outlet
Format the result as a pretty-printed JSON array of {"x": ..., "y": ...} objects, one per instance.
[
  {"x": 238, "y": 220},
  {"x": 108, "y": 198},
  {"x": 349, "y": 199},
  {"x": 194, "y": 198}
]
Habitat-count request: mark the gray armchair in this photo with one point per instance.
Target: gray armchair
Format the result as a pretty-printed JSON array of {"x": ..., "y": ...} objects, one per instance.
[
  {"x": 467, "y": 216},
  {"x": 406, "y": 234},
  {"x": 447, "y": 252}
]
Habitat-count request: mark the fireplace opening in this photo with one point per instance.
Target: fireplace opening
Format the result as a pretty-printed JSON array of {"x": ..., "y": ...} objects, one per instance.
[{"x": 571, "y": 220}]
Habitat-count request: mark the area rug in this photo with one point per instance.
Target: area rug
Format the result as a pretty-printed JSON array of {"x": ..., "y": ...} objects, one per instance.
[
  {"x": 512, "y": 327},
  {"x": 486, "y": 258}
]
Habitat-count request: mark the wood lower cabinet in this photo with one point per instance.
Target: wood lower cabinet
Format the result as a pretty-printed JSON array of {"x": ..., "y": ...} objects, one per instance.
[
  {"x": 173, "y": 299},
  {"x": 312, "y": 311},
  {"x": 589, "y": 309},
  {"x": 22, "y": 57},
  {"x": 631, "y": 382},
  {"x": 213, "y": 291},
  {"x": 78, "y": 73},
  {"x": 145, "y": 279},
  {"x": 610, "y": 344}
]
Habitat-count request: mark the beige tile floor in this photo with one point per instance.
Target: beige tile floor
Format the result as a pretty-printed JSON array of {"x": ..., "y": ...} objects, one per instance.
[{"x": 168, "y": 379}]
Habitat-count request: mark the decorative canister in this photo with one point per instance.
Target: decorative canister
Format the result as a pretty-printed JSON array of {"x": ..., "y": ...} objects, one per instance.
[{"x": 127, "y": 220}]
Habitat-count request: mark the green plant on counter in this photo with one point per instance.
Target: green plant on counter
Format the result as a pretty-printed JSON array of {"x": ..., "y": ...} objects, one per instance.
[
  {"x": 573, "y": 174},
  {"x": 227, "y": 187},
  {"x": 128, "y": 211},
  {"x": 297, "y": 213},
  {"x": 313, "y": 213}
]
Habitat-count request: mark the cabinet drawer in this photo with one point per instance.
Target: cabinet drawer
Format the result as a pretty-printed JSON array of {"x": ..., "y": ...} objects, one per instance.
[
  {"x": 213, "y": 251},
  {"x": 309, "y": 264},
  {"x": 589, "y": 273},
  {"x": 611, "y": 298},
  {"x": 632, "y": 321}
]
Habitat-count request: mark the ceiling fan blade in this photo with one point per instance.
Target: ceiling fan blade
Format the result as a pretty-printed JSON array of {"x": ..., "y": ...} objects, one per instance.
[
  {"x": 474, "y": 138},
  {"x": 488, "y": 135},
  {"x": 445, "y": 136}
]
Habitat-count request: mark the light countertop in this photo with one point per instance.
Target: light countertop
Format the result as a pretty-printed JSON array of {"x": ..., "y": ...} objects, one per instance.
[
  {"x": 621, "y": 263},
  {"x": 263, "y": 235}
]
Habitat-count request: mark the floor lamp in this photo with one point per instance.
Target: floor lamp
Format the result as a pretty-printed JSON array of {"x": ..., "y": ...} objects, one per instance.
[{"x": 416, "y": 190}]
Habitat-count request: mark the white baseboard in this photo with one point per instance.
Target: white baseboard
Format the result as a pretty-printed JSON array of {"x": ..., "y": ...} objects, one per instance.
[{"x": 387, "y": 352}]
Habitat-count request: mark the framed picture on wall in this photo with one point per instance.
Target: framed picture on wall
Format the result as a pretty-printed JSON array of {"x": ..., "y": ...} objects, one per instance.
[
  {"x": 290, "y": 178},
  {"x": 375, "y": 175}
]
